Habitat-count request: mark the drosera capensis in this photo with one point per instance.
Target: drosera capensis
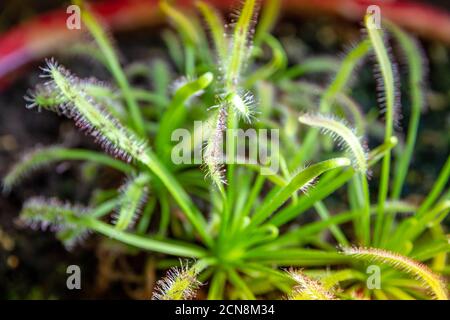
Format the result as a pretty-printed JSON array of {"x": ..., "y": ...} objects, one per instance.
[
  {"x": 240, "y": 225},
  {"x": 343, "y": 134},
  {"x": 421, "y": 272},
  {"x": 307, "y": 288}
]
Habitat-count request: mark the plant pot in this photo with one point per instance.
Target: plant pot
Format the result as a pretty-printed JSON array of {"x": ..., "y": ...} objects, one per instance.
[{"x": 46, "y": 33}]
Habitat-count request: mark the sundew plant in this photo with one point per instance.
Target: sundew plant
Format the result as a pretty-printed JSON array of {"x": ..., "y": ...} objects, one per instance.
[{"x": 237, "y": 229}]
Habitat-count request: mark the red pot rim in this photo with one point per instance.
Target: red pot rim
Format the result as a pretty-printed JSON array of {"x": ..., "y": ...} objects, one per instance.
[{"x": 45, "y": 33}]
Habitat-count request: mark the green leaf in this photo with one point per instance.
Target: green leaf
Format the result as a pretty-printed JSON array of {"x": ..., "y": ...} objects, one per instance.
[
  {"x": 299, "y": 181},
  {"x": 215, "y": 24},
  {"x": 43, "y": 157},
  {"x": 343, "y": 134},
  {"x": 402, "y": 263},
  {"x": 133, "y": 195},
  {"x": 390, "y": 96},
  {"x": 175, "y": 114},
  {"x": 307, "y": 288},
  {"x": 114, "y": 66}
]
